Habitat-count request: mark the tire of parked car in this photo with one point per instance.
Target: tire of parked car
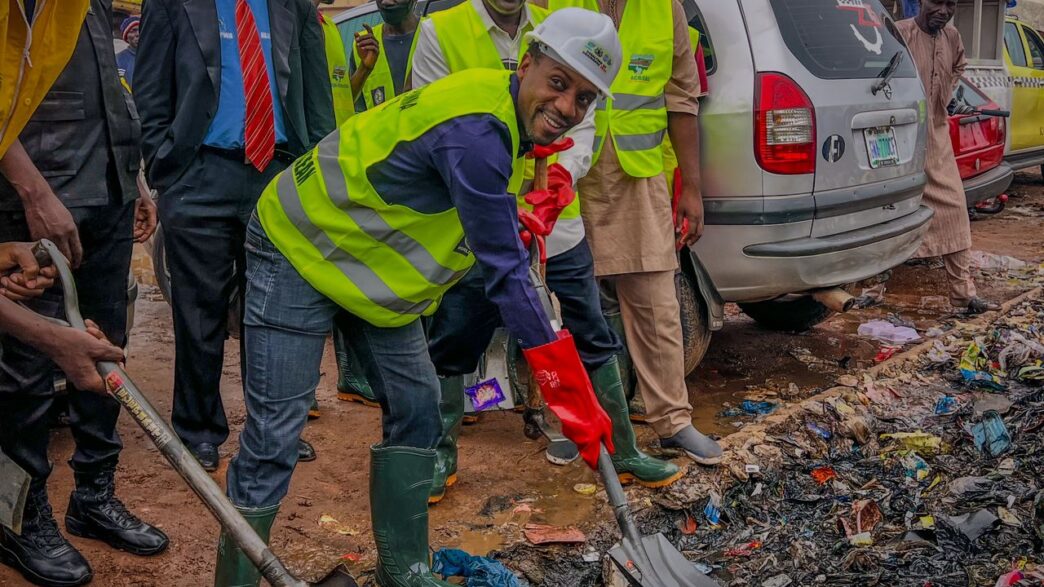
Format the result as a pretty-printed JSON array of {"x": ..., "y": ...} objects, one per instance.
[
  {"x": 788, "y": 314},
  {"x": 696, "y": 333}
]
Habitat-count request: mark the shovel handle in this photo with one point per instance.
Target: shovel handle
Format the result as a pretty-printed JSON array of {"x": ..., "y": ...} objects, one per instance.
[{"x": 138, "y": 406}]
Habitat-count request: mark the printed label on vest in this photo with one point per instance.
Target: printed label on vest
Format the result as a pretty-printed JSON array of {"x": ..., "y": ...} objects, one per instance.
[
  {"x": 463, "y": 248},
  {"x": 338, "y": 74},
  {"x": 409, "y": 99},
  {"x": 304, "y": 168},
  {"x": 377, "y": 95},
  {"x": 638, "y": 65}
]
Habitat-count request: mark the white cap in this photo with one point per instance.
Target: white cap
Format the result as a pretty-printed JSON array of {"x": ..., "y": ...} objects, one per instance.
[{"x": 585, "y": 41}]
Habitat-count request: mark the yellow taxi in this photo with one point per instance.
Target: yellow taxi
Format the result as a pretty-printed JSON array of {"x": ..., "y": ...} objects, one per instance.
[{"x": 1024, "y": 58}]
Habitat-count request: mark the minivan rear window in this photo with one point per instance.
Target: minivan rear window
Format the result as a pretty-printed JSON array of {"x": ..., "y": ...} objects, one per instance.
[{"x": 841, "y": 39}]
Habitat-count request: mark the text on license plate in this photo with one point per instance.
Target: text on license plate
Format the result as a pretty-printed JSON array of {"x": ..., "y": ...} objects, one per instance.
[{"x": 880, "y": 145}]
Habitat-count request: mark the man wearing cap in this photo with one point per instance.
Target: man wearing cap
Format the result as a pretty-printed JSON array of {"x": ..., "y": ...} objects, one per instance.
[
  {"x": 125, "y": 58},
  {"x": 379, "y": 220},
  {"x": 489, "y": 33}
]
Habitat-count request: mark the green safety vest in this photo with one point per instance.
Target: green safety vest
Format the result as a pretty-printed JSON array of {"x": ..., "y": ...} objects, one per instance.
[
  {"x": 379, "y": 86},
  {"x": 386, "y": 263},
  {"x": 636, "y": 117},
  {"x": 670, "y": 158},
  {"x": 340, "y": 83},
  {"x": 465, "y": 44}
]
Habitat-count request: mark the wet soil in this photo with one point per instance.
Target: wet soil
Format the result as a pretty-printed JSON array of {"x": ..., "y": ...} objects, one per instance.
[{"x": 505, "y": 481}]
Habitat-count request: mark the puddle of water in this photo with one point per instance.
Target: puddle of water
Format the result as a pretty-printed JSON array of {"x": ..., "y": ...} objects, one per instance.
[{"x": 549, "y": 500}]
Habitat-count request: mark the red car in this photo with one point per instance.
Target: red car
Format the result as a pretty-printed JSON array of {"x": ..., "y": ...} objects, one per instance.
[{"x": 977, "y": 131}]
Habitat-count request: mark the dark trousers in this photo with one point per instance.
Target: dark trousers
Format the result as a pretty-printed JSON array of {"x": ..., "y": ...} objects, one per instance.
[
  {"x": 462, "y": 327},
  {"x": 27, "y": 376},
  {"x": 204, "y": 216}
]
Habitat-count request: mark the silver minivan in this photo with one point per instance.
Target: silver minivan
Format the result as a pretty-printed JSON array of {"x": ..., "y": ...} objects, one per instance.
[{"x": 813, "y": 146}]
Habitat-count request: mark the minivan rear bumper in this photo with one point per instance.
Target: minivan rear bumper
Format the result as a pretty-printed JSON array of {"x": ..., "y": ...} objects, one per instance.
[
  {"x": 987, "y": 185},
  {"x": 802, "y": 264}
]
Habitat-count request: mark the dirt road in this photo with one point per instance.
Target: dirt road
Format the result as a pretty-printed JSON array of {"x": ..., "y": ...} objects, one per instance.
[{"x": 504, "y": 479}]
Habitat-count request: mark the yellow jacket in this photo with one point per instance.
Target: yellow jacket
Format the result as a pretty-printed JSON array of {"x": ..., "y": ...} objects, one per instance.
[{"x": 30, "y": 61}]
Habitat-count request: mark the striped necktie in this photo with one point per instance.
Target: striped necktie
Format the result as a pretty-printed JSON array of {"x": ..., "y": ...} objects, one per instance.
[{"x": 259, "y": 126}]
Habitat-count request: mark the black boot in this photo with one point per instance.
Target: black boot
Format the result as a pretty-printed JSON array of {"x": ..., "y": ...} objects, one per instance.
[
  {"x": 95, "y": 512},
  {"x": 41, "y": 554}
]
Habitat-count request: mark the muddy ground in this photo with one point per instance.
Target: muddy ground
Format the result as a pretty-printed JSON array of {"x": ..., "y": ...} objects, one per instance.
[{"x": 504, "y": 478}]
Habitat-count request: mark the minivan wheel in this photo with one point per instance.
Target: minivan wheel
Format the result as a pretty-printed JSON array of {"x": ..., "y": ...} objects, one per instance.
[
  {"x": 790, "y": 314},
  {"x": 696, "y": 333}
]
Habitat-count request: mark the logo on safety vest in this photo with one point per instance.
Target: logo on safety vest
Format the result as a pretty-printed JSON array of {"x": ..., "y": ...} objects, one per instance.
[
  {"x": 639, "y": 65},
  {"x": 339, "y": 73},
  {"x": 598, "y": 55},
  {"x": 377, "y": 94}
]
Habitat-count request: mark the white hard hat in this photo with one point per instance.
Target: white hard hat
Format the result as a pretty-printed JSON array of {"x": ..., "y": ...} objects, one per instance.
[{"x": 585, "y": 41}]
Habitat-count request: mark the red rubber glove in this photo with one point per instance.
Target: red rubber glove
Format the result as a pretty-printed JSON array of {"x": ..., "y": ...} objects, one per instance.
[
  {"x": 548, "y": 204},
  {"x": 567, "y": 391},
  {"x": 545, "y": 151},
  {"x": 532, "y": 226}
]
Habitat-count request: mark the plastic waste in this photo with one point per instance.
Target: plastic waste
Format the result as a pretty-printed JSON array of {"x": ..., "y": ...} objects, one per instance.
[
  {"x": 864, "y": 517},
  {"x": 946, "y": 405},
  {"x": 545, "y": 534},
  {"x": 485, "y": 394},
  {"x": 758, "y": 408},
  {"x": 937, "y": 354},
  {"x": 1008, "y": 518},
  {"x": 713, "y": 509},
  {"x": 916, "y": 468},
  {"x": 887, "y": 332},
  {"x": 975, "y": 368},
  {"x": 781, "y": 580},
  {"x": 1009, "y": 579},
  {"x": 971, "y": 525},
  {"x": 818, "y": 430},
  {"x": 971, "y": 488},
  {"x": 745, "y": 550},
  {"x": 928, "y": 444},
  {"x": 990, "y": 262},
  {"x": 823, "y": 474},
  {"x": 991, "y": 435},
  {"x": 1038, "y": 514},
  {"x": 478, "y": 571},
  {"x": 885, "y": 353}
]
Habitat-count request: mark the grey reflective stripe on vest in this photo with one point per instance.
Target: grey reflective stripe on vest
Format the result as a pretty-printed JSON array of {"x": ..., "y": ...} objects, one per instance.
[
  {"x": 370, "y": 222},
  {"x": 368, "y": 282},
  {"x": 634, "y": 102},
  {"x": 639, "y": 142},
  {"x": 634, "y": 142}
]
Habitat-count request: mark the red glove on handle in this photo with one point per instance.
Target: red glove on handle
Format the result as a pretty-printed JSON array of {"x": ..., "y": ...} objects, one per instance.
[
  {"x": 567, "y": 391},
  {"x": 532, "y": 227},
  {"x": 545, "y": 151},
  {"x": 548, "y": 204}
]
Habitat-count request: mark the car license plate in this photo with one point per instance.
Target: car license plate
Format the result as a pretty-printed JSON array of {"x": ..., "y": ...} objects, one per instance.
[{"x": 880, "y": 145}]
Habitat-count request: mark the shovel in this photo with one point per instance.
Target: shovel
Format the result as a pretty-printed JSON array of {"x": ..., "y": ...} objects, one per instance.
[
  {"x": 123, "y": 389},
  {"x": 643, "y": 561}
]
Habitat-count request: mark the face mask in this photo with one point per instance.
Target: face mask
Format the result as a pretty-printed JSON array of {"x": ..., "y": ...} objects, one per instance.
[{"x": 395, "y": 14}]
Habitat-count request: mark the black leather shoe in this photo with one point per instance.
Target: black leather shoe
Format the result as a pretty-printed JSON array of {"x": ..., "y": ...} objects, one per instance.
[
  {"x": 305, "y": 451},
  {"x": 41, "y": 554},
  {"x": 95, "y": 512},
  {"x": 207, "y": 455}
]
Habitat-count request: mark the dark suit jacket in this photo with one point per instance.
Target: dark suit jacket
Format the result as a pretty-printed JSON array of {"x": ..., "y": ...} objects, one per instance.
[
  {"x": 178, "y": 75},
  {"x": 85, "y": 126}
]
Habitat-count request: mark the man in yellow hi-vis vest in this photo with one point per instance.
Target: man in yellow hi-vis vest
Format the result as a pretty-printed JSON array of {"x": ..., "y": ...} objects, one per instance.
[
  {"x": 627, "y": 203},
  {"x": 379, "y": 220},
  {"x": 337, "y": 63},
  {"x": 489, "y": 33}
]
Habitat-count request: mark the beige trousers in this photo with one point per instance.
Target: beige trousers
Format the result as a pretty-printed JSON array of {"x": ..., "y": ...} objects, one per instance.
[
  {"x": 959, "y": 278},
  {"x": 652, "y": 323}
]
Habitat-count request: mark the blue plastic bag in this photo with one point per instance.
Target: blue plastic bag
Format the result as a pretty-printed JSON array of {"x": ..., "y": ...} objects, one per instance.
[
  {"x": 478, "y": 571},
  {"x": 991, "y": 435}
]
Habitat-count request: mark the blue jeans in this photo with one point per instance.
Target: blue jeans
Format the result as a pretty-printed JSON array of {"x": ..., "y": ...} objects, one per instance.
[
  {"x": 286, "y": 322},
  {"x": 462, "y": 327}
]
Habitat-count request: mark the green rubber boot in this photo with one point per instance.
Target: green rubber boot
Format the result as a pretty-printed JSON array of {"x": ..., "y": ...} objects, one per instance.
[
  {"x": 351, "y": 381},
  {"x": 233, "y": 568},
  {"x": 631, "y": 463},
  {"x": 636, "y": 406},
  {"x": 400, "y": 482},
  {"x": 451, "y": 410}
]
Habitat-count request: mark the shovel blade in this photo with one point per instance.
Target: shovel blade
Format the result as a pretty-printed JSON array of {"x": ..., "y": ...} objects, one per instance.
[
  {"x": 14, "y": 487},
  {"x": 669, "y": 567},
  {"x": 339, "y": 577}
]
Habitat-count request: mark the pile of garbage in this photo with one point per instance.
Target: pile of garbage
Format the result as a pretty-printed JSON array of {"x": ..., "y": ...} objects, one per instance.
[{"x": 930, "y": 473}]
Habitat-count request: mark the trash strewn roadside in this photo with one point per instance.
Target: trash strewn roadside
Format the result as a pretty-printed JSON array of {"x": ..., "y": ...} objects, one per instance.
[{"x": 940, "y": 483}]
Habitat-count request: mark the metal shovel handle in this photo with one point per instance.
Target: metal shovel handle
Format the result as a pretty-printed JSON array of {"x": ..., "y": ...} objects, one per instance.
[{"x": 138, "y": 406}]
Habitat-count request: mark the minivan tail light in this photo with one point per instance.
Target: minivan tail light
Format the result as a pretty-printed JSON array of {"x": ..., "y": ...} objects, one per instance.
[{"x": 784, "y": 126}]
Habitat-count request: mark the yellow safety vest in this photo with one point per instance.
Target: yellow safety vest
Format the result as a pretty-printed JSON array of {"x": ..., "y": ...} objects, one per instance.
[
  {"x": 636, "y": 117},
  {"x": 670, "y": 158},
  {"x": 379, "y": 85},
  {"x": 340, "y": 83},
  {"x": 465, "y": 44},
  {"x": 386, "y": 263}
]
